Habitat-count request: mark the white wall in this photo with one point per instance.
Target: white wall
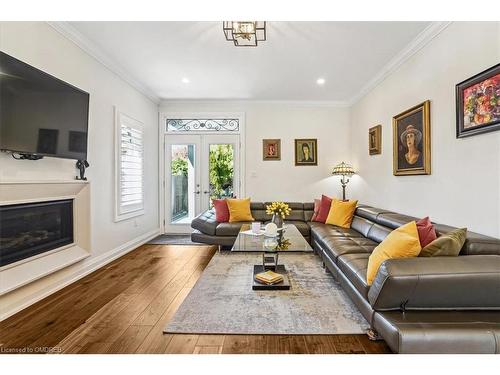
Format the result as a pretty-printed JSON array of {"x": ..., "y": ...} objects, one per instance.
[
  {"x": 38, "y": 44},
  {"x": 464, "y": 187},
  {"x": 282, "y": 180}
]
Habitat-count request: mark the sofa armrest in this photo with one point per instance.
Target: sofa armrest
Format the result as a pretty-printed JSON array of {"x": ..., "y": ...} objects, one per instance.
[
  {"x": 205, "y": 223},
  {"x": 440, "y": 283}
]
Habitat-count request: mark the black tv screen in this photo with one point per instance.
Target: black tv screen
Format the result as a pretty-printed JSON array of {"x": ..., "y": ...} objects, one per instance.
[{"x": 40, "y": 114}]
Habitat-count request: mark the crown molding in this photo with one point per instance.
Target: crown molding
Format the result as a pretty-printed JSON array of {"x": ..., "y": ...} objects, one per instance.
[
  {"x": 93, "y": 50},
  {"x": 298, "y": 103},
  {"x": 420, "y": 41}
]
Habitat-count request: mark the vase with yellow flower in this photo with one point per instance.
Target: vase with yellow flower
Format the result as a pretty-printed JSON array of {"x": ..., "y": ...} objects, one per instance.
[{"x": 280, "y": 211}]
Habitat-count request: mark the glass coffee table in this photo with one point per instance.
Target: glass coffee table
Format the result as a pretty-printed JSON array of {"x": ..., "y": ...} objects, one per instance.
[{"x": 290, "y": 241}]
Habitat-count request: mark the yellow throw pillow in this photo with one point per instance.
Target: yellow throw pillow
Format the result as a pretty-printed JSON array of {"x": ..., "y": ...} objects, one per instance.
[
  {"x": 341, "y": 213},
  {"x": 402, "y": 242},
  {"x": 239, "y": 210}
]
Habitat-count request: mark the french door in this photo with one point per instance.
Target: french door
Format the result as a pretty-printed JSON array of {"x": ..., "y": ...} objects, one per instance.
[{"x": 199, "y": 168}]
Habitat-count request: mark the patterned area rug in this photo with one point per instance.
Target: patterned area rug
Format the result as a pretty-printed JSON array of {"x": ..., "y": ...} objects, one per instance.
[{"x": 223, "y": 302}]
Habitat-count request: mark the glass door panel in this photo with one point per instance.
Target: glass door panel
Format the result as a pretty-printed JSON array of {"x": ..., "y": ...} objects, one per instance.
[
  {"x": 221, "y": 171},
  {"x": 182, "y": 186},
  {"x": 220, "y": 168}
]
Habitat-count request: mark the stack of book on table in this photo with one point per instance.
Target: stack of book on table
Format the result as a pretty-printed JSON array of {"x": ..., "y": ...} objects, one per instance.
[{"x": 269, "y": 277}]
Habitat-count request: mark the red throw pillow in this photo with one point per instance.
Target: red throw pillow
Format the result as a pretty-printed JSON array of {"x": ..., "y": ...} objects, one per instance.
[
  {"x": 317, "y": 204},
  {"x": 221, "y": 210},
  {"x": 324, "y": 209},
  {"x": 426, "y": 231}
]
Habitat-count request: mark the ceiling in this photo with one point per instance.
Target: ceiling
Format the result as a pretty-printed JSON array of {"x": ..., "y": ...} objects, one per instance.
[{"x": 159, "y": 56}]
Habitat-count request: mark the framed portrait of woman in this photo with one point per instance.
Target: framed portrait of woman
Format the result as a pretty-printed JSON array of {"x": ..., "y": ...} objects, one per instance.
[
  {"x": 412, "y": 141},
  {"x": 306, "y": 152}
]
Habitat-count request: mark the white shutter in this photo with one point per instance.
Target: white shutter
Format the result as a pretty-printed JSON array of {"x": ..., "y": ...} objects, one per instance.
[{"x": 129, "y": 167}]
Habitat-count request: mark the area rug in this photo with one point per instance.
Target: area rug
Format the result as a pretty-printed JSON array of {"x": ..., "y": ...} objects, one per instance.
[
  {"x": 223, "y": 302},
  {"x": 173, "y": 239}
]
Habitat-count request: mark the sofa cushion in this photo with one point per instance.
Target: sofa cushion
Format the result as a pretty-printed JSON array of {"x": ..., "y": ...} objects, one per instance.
[
  {"x": 308, "y": 211},
  {"x": 426, "y": 232},
  {"x": 361, "y": 225},
  {"x": 229, "y": 229},
  {"x": 320, "y": 230},
  {"x": 354, "y": 267},
  {"x": 402, "y": 242},
  {"x": 337, "y": 246},
  {"x": 317, "y": 205},
  {"x": 341, "y": 213},
  {"x": 459, "y": 283},
  {"x": 393, "y": 220},
  {"x": 239, "y": 210},
  {"x": 259, "y": 211},
  {"x": 205, "y": 222},
  {"x": 378, "y": 233},
  {"x": 324, "y": 209},
  {"x": 370, "y": 213},
  {"x": 221, "y": 210},
  {"x": 302, "y": 226},
  {"x": 448, "y": 244}
]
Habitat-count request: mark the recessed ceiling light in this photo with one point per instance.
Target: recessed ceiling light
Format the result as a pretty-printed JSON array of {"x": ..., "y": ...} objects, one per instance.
[
  {"x": 185, "y": 80},
  {"x": 320, "y": 81}
]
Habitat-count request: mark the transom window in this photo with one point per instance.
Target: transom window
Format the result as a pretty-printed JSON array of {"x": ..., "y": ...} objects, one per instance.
[{"x": 203, "y": 125}]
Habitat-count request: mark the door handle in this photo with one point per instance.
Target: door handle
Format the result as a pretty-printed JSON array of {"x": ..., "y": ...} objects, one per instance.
[
  {"x": 197, "y": 192},
  {"x": 206, "y": 192}
]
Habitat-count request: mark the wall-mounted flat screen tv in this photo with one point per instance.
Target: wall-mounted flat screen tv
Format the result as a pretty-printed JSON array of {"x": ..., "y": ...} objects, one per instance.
[{"x": 40, "y": 114}]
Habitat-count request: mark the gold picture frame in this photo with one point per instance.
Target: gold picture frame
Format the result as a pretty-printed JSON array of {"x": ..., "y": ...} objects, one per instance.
[
  {"x": 306, "y": 152},
  {"x": 412, "y": 141},
  {"x": 375, "y": 140},
  {"x": 271, "y": 149}
]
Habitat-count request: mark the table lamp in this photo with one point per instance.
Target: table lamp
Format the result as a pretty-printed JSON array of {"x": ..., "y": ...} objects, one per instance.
[{"x": 344, "y": 170}]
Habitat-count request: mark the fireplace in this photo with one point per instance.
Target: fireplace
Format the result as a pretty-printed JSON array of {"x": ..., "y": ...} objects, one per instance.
[{"x": 30, "y": 229}]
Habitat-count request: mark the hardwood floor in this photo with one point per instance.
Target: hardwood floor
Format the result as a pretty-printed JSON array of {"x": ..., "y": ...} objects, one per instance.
[{"x": 124, "y": 306}]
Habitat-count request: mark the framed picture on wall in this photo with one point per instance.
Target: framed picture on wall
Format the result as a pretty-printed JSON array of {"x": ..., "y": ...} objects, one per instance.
[
  {"x": 306, "y": 152},
  {"x": 412, "y": 141},
  {"x": 271, "y": 149},
  {"x": 478, "y": 103},
  {"x": 375, "y": 140}
]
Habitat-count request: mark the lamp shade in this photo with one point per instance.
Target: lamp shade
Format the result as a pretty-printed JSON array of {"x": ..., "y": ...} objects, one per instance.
[{"x": 343, "y": 169}]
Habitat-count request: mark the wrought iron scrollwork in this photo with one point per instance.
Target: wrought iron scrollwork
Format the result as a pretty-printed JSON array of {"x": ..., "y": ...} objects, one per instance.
[{"x": 217, "y": 125}]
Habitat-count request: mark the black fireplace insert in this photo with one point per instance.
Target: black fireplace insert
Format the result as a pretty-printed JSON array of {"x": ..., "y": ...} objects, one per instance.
[{"x": 30, "y": 229}]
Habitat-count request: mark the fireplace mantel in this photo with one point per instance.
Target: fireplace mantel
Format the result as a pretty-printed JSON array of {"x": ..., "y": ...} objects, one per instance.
[{"x": 15, "y": 275}]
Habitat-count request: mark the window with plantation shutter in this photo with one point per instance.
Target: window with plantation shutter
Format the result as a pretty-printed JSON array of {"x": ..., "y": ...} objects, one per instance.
[{"x": 129, "y": 167}]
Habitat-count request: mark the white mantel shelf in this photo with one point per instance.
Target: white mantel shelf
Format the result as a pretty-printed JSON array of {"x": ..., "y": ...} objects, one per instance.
[{"x": 44, "y": 182}]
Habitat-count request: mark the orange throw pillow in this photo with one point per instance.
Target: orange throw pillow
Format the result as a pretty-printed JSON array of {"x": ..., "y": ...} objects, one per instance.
[
  {"x": 239, "y": 210},
  {"x": 402, "y": 242},
  {"x": 341, "y": 213}
]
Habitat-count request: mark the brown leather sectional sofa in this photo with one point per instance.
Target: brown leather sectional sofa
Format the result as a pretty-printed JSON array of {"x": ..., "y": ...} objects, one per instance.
[{"x": 418, "y": 305}]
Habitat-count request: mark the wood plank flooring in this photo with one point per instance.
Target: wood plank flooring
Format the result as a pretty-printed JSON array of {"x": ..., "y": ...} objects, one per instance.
[{"x": 124, "y": 306}]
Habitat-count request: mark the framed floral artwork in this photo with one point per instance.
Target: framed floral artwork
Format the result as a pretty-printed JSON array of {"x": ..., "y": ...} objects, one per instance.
[
  {"x": 271, "y": 149},
  {"x": 478, "y": 103},
  {"x": 412, "y": 141},
  {"x": 375, "y": 140}
]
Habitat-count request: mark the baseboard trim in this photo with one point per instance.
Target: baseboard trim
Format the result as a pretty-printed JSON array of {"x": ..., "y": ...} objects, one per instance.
[{"x": 92, "y": 266}]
